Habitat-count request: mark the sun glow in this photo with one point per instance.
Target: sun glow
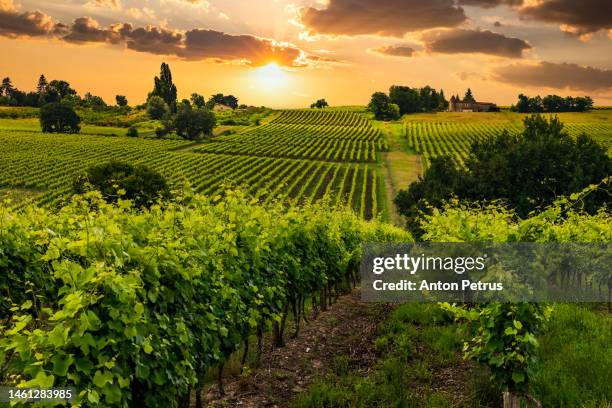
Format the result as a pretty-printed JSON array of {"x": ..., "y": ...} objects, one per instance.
[{"x": 270, "y": 77}]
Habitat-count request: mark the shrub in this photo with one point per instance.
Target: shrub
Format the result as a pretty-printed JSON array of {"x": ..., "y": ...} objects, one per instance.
[
  {"x": 57, "y": 117},
  {"x": 122, "y": 180},
  {"x": 132, "y": 132},
  {"x": 192, "y": 124},
  {"x": 157, "y": 108},
  {"x": 161, "y": 132}
]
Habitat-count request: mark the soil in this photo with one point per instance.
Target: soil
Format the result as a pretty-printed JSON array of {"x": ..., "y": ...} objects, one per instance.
[{"x": 348, "y": 328}]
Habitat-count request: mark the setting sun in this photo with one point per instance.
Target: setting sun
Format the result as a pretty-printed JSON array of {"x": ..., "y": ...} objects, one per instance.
[{"x": 270, "y": 77}]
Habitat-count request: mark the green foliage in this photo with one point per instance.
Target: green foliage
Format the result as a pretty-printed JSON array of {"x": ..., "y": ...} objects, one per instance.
[
  {"x": 164, "y": 88},
  {"x": 147, "y": 301},
  {"x": 220, "y": 99},
  {"x": 383, "y": 109},
  {"x": 411, "y": 100},
  {"x": 58, "y": 117},
  {"x": 117, "y": 180},
  {"x": 157, "y": 108},
  {"x": 441, "y": 181},
  {"x": 319, "y": 104},
  {"x": 504, "y": 339},
  {"x": 574, "y": 362},
  {"x": 198, "y": 100},
  {"x": 132, "y": 132},
  {"x": 57, "y": 91},
  {"x": 552, "y": 103},
  {"x": 193, "y": 123},
  {"x": 504, "y": 335},
  {"x": 468, "y": 96},
  {"x": 121, "y": 100},
  {"x": 527, "y": 171}
]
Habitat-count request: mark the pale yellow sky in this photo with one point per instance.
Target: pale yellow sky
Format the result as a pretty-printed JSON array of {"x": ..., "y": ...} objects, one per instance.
[{"x": 328, "y": 50}]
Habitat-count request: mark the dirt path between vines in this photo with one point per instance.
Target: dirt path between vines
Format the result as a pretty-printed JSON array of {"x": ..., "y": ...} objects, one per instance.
[{"x": 347, "y": 328}]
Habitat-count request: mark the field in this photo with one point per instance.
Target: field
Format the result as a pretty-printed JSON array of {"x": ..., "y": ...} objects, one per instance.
[
  {"x": 303, "y": 155},
  {"x": 432, "y": 135}
]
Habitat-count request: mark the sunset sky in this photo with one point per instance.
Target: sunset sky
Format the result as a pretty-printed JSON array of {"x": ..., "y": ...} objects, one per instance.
[{"x": 288, "y": 53}]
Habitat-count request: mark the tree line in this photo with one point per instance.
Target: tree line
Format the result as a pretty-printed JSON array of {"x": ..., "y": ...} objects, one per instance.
[
  {"x": 552, "y": 104},
  {"x": 404, "y": 99},
  {"x": 191, "y": 118}
]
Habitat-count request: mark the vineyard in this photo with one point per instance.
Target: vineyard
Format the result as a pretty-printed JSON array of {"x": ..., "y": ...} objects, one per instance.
[
  {"x": 134, "y": 308},
  {"x": 431, "y": 139},
  {"x": 301, "y": 155}
]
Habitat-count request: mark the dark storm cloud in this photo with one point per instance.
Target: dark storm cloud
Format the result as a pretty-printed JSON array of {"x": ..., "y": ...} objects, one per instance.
[
  {"x": 15, "y": 24},
  {"x": 474, "y": 41},
  {"x": 395, "y": 50},
  {"x": 552, "y": 75},
  {"x": 201, "y": 44},
  {"x": 383, "y": 17},
  {"x": 577, "y": 17}
]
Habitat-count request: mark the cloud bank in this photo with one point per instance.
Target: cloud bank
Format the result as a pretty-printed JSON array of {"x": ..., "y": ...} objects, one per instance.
[
  {"x": 194, "y": 44},
  {"x": 380, "y": 17},
  {"x": 553, "y": 75},
  {"x": 474, "y": 41}
]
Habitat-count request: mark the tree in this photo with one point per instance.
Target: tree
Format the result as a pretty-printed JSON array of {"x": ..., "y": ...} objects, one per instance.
[
  {"x": 42, "y": 85},
  {"x": 441, "y": 181},
  {"x": 469, "y": 97},
  {"x": 198, "y": 100},
  {"x": 121, "y": 100},
  {"x": 58, "y": 117},
  {"x": 408, "y": 99},
  {"x": 192, "y": 124},
  {"x": 383, "y": 109},
  {"x": 157, "y": 108},
  {"x": 165, "y": 88},
  {"x": 231, "y": 101},
  {"x": 319, "y": 104},
  {"x": 93, "y": 101},
  {"x": 215, "y": 99},
  {"x": 527, "y": 171},
  {"x": 56, "y": 91},
  {"x": 122, "y": 180},
  {"x": 6, "y": 88}
]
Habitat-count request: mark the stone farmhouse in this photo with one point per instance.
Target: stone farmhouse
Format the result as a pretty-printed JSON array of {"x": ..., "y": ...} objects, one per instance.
[{"x": 457, "y": 104}]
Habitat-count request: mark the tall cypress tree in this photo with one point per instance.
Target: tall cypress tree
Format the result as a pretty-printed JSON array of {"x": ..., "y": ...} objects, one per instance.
[
  {"x": 42, "y": 85},
  {"x": 165, "y": 88},
  {"x": 469, "y": 97}
]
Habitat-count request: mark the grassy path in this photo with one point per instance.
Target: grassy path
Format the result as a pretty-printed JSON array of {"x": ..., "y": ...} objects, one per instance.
[{"x": 400, "y": 166}]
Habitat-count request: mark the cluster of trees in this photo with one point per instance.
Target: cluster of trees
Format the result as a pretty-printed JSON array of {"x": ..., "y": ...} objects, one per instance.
[
  {"x": 403, "y": 99},
  {"x": 51, "y": 92},
  {"x": 552, "y": 103},
  {"x": 527, "y": 172},
  {"x": 192, "y": 118},
  {"x": 319, "y": 104}
]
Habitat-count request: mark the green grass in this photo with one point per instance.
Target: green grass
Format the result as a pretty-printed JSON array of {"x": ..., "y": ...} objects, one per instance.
[
  {"x": 575, "y": 359},
  {"x": 419, "y": 347}
]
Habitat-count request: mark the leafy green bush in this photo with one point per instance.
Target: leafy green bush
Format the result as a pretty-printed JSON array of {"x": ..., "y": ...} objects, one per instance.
[
  {"x": 122, "y": 180},
  {"x": 132, "y": 132},
  {"x": 58, "y": 117}
]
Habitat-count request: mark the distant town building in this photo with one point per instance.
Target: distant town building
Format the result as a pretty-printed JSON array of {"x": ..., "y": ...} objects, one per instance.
[{"x": 457, "y": 104}]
